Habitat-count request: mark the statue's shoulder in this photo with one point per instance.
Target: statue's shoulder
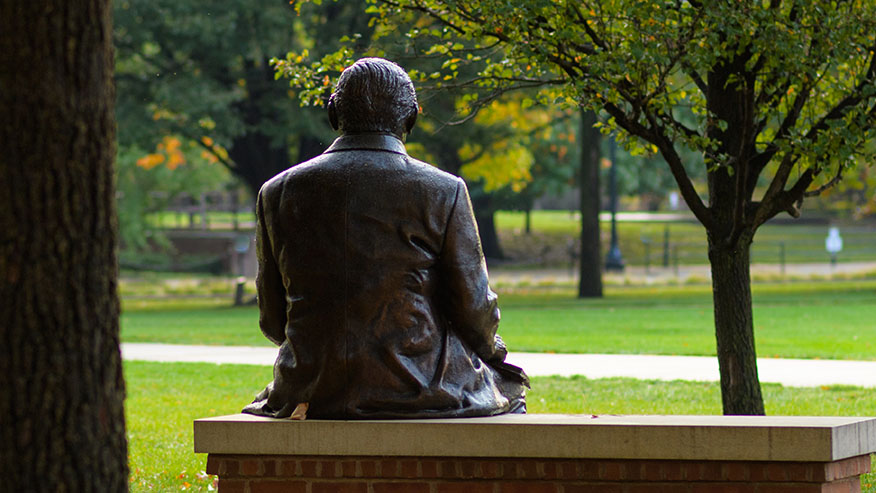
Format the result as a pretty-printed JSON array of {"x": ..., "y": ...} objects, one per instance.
[
  {"x": 276, "y": 184},
  {"x": 434, "y": 174}
]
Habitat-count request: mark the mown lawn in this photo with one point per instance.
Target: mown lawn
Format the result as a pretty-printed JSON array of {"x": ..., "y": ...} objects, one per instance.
[
  {"x": 164, "y": 399},
  {"x": 804, "y": 319},
  {"x": 831, "y": 320}
]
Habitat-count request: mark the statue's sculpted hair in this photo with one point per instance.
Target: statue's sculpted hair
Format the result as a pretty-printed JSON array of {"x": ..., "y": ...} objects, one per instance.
[{"x": 374, "y": 95}]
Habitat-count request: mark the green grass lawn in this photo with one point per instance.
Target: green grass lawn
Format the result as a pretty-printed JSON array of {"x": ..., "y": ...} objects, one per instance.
[
  {"x": 831, "y": 320},
  {"x": 804, "y": 319},
  {"x": 800, "y": 319},
  {"x": 164, "y": 399}
]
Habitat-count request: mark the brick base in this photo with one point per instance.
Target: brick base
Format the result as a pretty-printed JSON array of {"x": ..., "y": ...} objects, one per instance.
[{"x": 348, "y": 474}]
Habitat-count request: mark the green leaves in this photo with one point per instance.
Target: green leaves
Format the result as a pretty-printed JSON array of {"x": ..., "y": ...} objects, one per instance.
[
  {"x": 737, "y": 82},
  {"x": 312, "y": 82}
]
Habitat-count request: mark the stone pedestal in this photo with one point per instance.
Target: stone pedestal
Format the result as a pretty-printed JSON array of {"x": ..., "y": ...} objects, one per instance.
[{"x": 539, "y": 453}]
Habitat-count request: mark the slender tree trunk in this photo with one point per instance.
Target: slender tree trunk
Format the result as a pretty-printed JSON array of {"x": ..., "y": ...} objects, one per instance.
[
  {"x": 734, "y": 328},
  {"x": 61, "y": 389},
  {"x": 590, "y": 269},
  {"x": 485, "y": 216}
]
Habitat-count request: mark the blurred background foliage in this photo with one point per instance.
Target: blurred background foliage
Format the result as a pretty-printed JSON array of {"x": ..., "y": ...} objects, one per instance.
[{"x": 200, "y": 112}]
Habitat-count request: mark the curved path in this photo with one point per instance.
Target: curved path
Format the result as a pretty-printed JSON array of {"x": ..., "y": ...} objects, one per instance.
[{"x": 789, "y": 372}]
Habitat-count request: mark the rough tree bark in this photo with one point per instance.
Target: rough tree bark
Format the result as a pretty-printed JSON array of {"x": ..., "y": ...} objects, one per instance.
[
  {"x": 590, "y": 270},
  {"x": 734, "y": 327},
  {"x": 729, "y": 257},
  {"x": 61, "y": 385},
  {"x": 730, "y": 231}
]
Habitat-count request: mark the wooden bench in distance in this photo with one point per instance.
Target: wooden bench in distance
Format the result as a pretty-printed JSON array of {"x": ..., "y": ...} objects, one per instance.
[{"x": 539, "y": 453}]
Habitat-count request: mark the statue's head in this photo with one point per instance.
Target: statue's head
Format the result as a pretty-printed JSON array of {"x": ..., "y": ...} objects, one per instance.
[{"x": 373, "y": 95}]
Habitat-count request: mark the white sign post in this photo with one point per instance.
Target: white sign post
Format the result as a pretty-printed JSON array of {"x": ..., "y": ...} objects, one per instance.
[{"x": 833, "y": 244}]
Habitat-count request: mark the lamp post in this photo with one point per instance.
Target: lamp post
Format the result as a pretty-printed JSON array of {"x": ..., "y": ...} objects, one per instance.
[{"x": 613, "y": 261}]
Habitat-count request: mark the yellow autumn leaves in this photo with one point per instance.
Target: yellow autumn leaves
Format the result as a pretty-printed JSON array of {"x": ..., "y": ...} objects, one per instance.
[{"x": 508, "y": 159}]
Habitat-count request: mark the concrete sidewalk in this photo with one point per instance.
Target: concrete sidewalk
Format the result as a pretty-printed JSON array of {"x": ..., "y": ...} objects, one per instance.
[{"x": 789, "y": 372}]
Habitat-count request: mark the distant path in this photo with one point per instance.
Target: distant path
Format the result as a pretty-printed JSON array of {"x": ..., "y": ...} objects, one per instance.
[
  {"x": 650, "y": 217},
  {"x": 638, "y": 274},
  {"x": 789, "y": 372}
]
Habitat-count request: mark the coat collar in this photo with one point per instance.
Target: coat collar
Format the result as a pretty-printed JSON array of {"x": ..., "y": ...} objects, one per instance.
[{"x": 375, "y": 141}]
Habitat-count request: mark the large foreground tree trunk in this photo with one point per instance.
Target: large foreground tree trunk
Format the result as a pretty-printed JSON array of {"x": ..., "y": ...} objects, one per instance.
[
  {"x": 590, "y": 269},
  {"x": 734, "y": 327},
  {"x": 61, "y": 387}
]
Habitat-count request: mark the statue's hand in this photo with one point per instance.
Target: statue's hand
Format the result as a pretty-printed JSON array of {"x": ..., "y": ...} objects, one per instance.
[{"x": 500, "y": 352}]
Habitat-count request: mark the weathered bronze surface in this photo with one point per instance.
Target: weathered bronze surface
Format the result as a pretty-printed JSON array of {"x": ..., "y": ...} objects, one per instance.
[{"x": 371, "y": 276}]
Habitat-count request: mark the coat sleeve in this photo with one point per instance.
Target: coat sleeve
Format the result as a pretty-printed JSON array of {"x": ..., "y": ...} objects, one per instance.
[
  {"x": 269, "y": 281},
  {"x": 472, "y": 307}
]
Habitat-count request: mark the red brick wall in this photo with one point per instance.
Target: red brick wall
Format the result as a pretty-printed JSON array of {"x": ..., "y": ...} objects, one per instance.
[{"x": 294, "y": 474}]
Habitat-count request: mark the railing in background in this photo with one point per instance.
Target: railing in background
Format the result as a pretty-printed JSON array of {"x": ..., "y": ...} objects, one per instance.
[
  {"x": 220, "y": 209},
  {"x": 859, "y": 245}
]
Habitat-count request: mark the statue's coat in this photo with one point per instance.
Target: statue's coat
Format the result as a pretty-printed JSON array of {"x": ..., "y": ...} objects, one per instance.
[{"x": 373, "y": 283}]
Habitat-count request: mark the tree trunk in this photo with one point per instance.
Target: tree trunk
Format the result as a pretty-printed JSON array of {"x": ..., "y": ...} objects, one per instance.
[
  {"x": 485, "y": 216},
  {"x": 61, "y": 386},
  {"x": 257, "y": 160},
  {"x": 447, "y": 155},
  {"x": 489, "y": 236},
  {"x": 590, "y": 269},
  {"x": 310, "y": 146},
  {"x": 734, "y": 327}
]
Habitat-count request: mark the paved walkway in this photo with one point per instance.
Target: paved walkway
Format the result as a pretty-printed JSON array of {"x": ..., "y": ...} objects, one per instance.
[
  {"x": 658, "y": 274},
  {"x": 789, "y": 372}
]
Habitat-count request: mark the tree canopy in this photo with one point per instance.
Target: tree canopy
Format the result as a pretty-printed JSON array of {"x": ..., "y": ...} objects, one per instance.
[
  {"x": 778, "y": 97},
  {"x": 192, "y": 71}
]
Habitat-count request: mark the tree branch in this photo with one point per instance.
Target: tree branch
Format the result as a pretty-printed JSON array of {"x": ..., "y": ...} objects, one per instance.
[
  {"x": 481, "y": 102},
  {"x": 696, "y": 78},
  {"x": 780, "y": 178},
  {"x": 830, "y": 184},
  {"x": 667, "y": 150},
  {"x": 590, "y": 32},
  {"x": 852, "y": 99},
  {"x": 791, "y": 200},
  {"x": 798, "y": 190},
  {"x": 430, "y": 12}
]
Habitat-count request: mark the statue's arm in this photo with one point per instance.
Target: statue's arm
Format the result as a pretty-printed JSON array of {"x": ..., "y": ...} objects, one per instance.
[
  {"x": 471, "y": 305},
  {"x": 269, "y": 282}
]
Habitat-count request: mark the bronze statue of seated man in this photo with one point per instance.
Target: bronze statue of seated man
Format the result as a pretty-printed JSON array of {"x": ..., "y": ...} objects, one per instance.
[{"x": 371, "y": 275}]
